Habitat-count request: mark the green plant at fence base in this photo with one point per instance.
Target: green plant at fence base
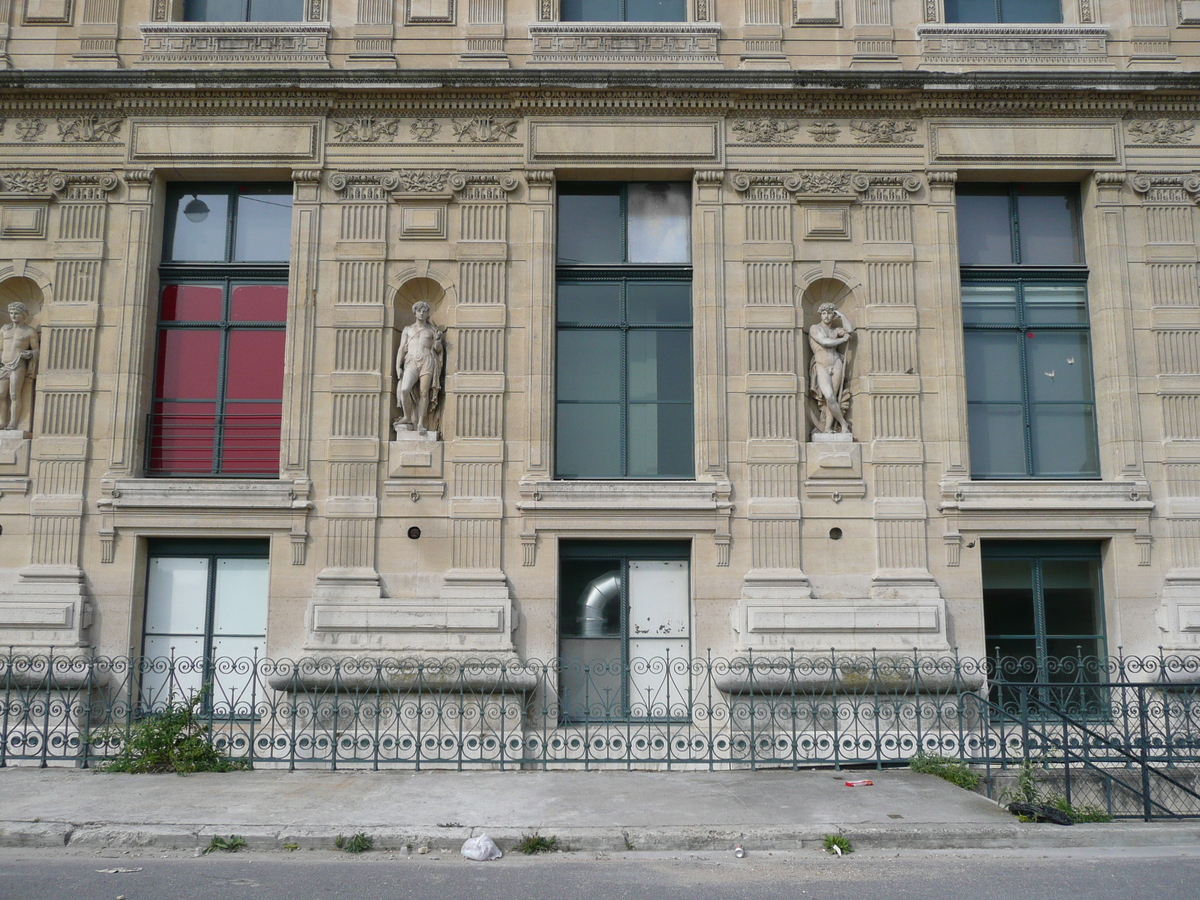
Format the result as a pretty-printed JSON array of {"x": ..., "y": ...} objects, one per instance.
[
  {"x": 833, "y": 843},
  {"x": 231, "y": 844},
  {"x": 1082, "y": 814},
  {"x": 535, "y": 843},
  {"x": 360, "y": 842},
  {"x": 171, "y": 740},
  {"x": 1031, "y": 789},
  {"x": 952, "y": 770}
]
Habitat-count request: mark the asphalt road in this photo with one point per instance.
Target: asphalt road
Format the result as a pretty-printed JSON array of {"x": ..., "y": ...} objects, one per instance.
[{"x": 1170, "y": 874}]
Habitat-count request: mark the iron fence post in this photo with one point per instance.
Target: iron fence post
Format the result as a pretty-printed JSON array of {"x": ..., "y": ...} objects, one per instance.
[
  {"x": 337, "y": 709},
  {"x": 837, "y": 738},
  {"x": 46, "y": 708},
  {"x": 87, "y": 716},
  {"x": 253, "y": 704},
  {"x": 1147, "y": 808},
  {"x": 708, "y": 688},
  {"x": 8, "y": 676}
]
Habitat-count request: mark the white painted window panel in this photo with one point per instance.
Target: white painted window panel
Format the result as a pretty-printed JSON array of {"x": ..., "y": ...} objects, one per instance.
[{"x": 176, "y": 596}]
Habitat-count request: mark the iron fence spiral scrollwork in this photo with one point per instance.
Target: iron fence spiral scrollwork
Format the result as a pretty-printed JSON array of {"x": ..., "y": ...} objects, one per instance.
[{"x": 745, "y": 711}]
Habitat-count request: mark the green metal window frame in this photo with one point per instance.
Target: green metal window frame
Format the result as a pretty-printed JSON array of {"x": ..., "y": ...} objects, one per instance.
[
  {"x": 1036, "y": 553},
  {"x": 225, "y": 273},
  {"x": 624, "y": 553},
  {"x": 624, "y": 274},
  {"x": 213, "y": 550},
  {"x": 1020, "y": 277}
]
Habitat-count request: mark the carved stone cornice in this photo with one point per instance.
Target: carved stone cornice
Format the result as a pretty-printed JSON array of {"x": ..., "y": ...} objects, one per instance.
[
  {"x": 783, "y": 187},
  {"x": 1167, "y": 188},
  {"x": 360, "y": 186},
  {"x": 483, "y": 186},
  {"x": 306, "y": 176},
  {"x": 50, "y": 183},
  {"x": 879, "y": 187},
  {"x": 423, "y": 181},
  {"x": 84, "y": 185},
  {"x": 239, "y": 43}
]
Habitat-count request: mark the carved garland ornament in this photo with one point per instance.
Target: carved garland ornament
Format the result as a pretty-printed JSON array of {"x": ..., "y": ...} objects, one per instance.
[
  {"x": 765, "y": 130},
  {"x": 30, "y": 130},
  {"x": 884, "y": 131},
  {"x": 366, "y": 130},
  {"x": 89, "y": 129},
  {"x": 423, "y": 130},
  {"x": 423, "y": 181},
  {"x": 1162, "y": 131},
  {"x": 486, "y": 130}
]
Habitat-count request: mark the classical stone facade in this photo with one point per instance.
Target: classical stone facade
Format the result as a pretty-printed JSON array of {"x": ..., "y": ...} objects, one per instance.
[{"x": 445, "y": 153}]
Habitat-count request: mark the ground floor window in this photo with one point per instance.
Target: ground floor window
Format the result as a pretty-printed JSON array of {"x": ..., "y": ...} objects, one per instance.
[
  {"x": 206, "y": 613},
  {"x": 1043, "y": 610},
  {"x": 624, "y": 615}
]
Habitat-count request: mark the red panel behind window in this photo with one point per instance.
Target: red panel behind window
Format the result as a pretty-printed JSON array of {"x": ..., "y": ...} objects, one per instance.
[{"x": 192, "y": 303}]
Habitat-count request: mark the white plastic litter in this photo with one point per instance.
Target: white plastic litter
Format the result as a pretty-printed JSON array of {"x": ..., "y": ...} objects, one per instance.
[{"x": 481, "y": 848}]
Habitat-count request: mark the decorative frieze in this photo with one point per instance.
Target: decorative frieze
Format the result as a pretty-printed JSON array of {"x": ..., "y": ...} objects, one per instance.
[
  {"x": 1185, "y": 541},
  {"x": 364, "y": 130},
  {"x": 479, "y": 415},
  {"x": 898, "y": 480},
  {"x": 1183, "y": 479},
  {"x": 771, "y": 350},
  {"x": 768, "y": 223},
  {"x": 878, "y": 187},
  {"x": 30, "y": 130},
  {"x": 65, "y": 413},
  {"x": 1014, "y": 45},
  {"x": 283, "y": 44},
  {"x": 360, "y": 186},
  {"x": 351, "y": 543},
  {"x": 485, "y": 130},
  {"x": 475, "y": 543},
  {"x": 1159, "y": 188},
  {"x": 883, "y": 131},
  {"x": 772, "y": 416},
  {"x": 622, "y": 43},
  {"x": 1161, "y": 131},
  {"x": 89, "y": 129},
  {"x": 26, "y": 181},
  {"x": 423, "y": 181},
  {"x": 69, "y": 348},
  {"x": 765, "y": 130},
  {"x": 481, "y": 282},
  {"x": 352, "y": 479},
  {"x": 476, "y": 479},
  {"x": 833, "y": 183}
]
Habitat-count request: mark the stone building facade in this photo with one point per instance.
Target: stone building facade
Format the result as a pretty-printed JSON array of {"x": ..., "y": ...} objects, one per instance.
[{"x": 626, "y": 233}]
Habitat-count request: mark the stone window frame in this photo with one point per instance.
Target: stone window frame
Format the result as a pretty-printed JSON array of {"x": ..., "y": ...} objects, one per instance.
[
  {"x": 213, "y": 549},
  {"x": 624, "y": 273},
  {"x": 625, "y": 552},
  {"x": 313, "y": 12},
  {"x": 225, "y": 273},
  {"x": 1020, "y": 277}
]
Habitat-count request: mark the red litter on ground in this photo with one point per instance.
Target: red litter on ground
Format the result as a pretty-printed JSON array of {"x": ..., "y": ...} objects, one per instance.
[{"x": 863, "y": 783}]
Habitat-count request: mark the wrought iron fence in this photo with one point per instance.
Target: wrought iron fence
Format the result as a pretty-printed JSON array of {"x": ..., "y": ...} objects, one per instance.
[{"x": 752, "y": 711}]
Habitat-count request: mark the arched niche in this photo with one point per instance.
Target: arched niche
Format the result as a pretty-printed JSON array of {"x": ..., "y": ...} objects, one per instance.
[
  {"x": 19, "y": 289},
  {"x": 419, "y": 289},
  {"x": 821, "y": 291}
]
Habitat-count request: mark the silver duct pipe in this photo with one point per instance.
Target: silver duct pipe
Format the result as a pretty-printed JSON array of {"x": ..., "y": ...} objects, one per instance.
[{"x": 596, "y": 596}]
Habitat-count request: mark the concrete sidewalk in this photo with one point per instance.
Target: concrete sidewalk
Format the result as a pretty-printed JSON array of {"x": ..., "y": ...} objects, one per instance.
[{"x": 584, "y": 810}]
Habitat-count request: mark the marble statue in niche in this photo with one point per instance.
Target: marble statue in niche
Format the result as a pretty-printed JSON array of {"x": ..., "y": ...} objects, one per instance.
[
  {"x": 829, "y": 372},
  {"x": 18, "y": 366},
  {"x": 420, "y": 371}
]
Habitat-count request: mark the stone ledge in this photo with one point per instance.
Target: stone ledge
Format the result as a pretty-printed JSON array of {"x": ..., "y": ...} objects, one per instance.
[
  {"x": 1009, "y": 45},
  {"x": 621, "y": 43},
  {"x": 280, "y": 44}
]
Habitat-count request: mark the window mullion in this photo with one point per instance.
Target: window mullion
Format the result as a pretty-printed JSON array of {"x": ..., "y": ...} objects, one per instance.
[
  {"x": 624, "y": 384},
  {"x": 221, "y": 407},
  {"x": 1026, "y": 411},
  {"x": 1014, "y": 221},
  {"x": 1039, "y": 621},
  {"x": 210, "y": 602}
]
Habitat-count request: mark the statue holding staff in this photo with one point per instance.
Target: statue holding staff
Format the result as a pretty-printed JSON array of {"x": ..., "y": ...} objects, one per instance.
[
  {"x": 420, "y": 360},
  {"x": 829, "y": 384}
]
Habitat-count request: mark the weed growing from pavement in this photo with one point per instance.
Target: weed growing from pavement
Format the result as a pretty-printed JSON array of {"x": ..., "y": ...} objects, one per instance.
[
  {"x": 951, "y": 770},
  {"x": 1081, "y": 814},
  {"x": 535, "y": 843},
  {"x": 171, "y": 740},
  {"x": 835, "y": 842},
  {"x": 231, "y": 844},
  {"x": 1030, "y": 790},
  {"x": 357, "y": 843}
]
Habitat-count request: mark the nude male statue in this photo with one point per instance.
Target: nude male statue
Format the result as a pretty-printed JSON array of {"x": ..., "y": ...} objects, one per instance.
[
  {"x": 827, "y": 376},
  {"x": 18, "y": 361},
  {"x": 419, "y": 370}
]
